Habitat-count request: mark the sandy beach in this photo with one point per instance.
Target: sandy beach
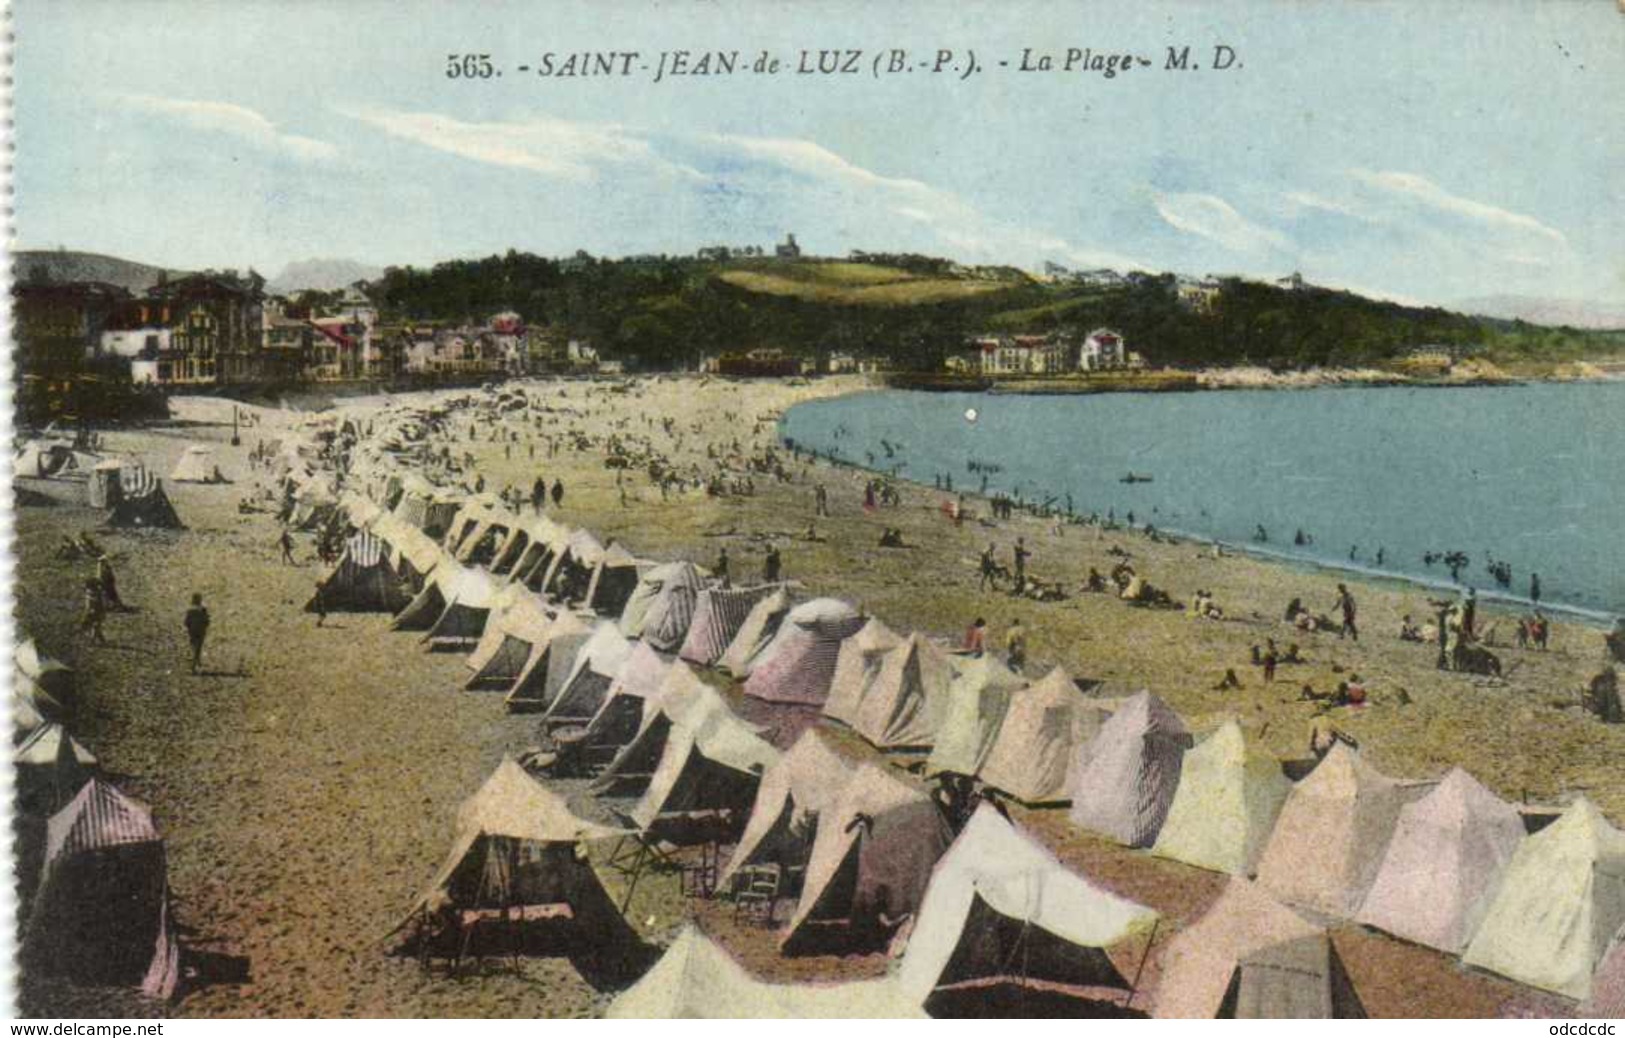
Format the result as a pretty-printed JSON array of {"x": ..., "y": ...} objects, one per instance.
[{"x": 307, "y": 781}]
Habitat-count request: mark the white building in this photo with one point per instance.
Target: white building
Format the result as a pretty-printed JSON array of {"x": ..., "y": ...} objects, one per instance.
[
  {"x": 1022, "y": 354},
  {"x": 1197, "y": 296},
  {"x": 1103, "y": 350}
]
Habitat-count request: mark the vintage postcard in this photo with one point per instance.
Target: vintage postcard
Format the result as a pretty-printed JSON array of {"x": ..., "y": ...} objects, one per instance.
[{"x": 766, "y": 509}]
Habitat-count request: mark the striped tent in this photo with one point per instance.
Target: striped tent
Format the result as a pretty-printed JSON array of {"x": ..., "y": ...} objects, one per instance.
[
  {"x": 1128, "y": 773},
  {"x": 596, "y": 665},
  {"x": 799, "y": 664},
  {"x": 142, "y": 502},
  {"x": 548, "y": 663},
  {"x": 719, "y": 613},
  {"x": 101, "y": 914},
  {"x": 661, "y": 607},
  {"x": 363, "y": 581},
  {"x": 905, "y": 695},
  {"x": 761, "y": 624}
]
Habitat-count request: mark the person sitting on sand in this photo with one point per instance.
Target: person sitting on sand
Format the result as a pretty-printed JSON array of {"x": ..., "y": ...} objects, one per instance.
[
  {"x": 1294, "y": 609},
  {"x": 1408, "y": 631},
  {"x": 1094, "y": 582},
  {"x": 1227, "y": 682},
  {"x": 976, "y": 638},
  {"x": 1291, "y": 654}
]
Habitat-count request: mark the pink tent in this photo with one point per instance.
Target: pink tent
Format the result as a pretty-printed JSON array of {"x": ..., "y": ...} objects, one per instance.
[{"x": 799, "y": 664}]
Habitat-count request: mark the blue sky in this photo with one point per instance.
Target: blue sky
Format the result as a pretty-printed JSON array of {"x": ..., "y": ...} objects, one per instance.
[{"x": 1424, "y": 151}]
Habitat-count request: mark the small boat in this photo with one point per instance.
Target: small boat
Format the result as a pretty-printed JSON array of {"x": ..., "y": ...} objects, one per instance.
[{"x": 1135, "y": 478}]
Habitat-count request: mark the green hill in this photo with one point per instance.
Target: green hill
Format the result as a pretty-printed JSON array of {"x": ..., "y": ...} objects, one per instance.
[{"x": 60, "y": 265}]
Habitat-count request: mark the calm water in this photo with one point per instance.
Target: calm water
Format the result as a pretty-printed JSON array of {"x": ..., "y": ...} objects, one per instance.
[{"x": 1532, "y": 475}]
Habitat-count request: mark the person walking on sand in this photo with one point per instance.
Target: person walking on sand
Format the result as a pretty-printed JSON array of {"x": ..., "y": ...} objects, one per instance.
[
  {"x": 95, "y": 611},
  {"x": 771, "y": 565},
  {"x": 1271, "y": 658},
  {"x": 1469, "y": 613},
  {"x": 285, "y": 542},
  {"x": 197, "y": 629},
  {"x": 990, "y": 570},
  {"x": 558, "y": 493},
  {"x": 1021, "y": 555},
  {"x": 318, "y": 603},
  {"x": 820, "y": 500},
  {"x": 1534, "y": 588},
  {"x": 109, "y": 583},
  {"x": 721, "y": 568},
  {"x": 1015, "y": 646},
  {"x": 1345, "y": 603}
]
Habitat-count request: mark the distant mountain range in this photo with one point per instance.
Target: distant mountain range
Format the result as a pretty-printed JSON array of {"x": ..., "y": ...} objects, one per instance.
[
  {"x": 1573, "y": 313},
  {"x": 58, "y": 265},
  {"x": 324, "y": 275}
]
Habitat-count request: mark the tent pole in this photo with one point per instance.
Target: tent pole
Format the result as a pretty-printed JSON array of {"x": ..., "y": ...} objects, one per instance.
[{"x": 1150, "y": 941}]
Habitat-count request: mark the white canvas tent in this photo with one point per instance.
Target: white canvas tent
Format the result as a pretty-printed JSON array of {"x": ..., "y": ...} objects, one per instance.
[
  {"x": 906, "y": 696},
  {"x": 870, "y": 863},
  {"x": 756, "y": 633},
  {"x": 1001, "y": 908},
  {"x": 1033, "y": 756},
  {"x": 1250, "y": 957},
  {"x": 795, "y": 789},
  {"x": 977, "y": 701},
  {"x": 470, "y": 595},
  {"x": 1225, "y": 806},
  {"x": 695, "y": 979},
  {"x": 855, "y": 669},
  {"x": 1444, "y": 864},
  {"x": 799, "y": 664},
  {"x": 548, "y": 663},
  {"x": 1560, "y": 901},
  {"x": 679, "y": 697},
  {"x": 1331, "y": 834},
  {"x": 49, "y": 767},
  {"x": 1127, "y": 776},
  {"x": 592, "y": 671},
  {"x": 711, "y": 764},
  {"x": 518, "y": 623},
  {"x": 612, "y": 581},
  {"x": 197, "y": 465}
]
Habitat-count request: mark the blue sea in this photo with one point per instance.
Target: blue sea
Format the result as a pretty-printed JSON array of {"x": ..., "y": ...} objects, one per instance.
[{"x": 1529, "y": 475}]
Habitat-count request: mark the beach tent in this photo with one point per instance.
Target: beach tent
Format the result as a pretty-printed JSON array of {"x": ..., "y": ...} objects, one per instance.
[
  {"x": 1001, "y": 910},
  {"x": 141, "y": 502},
  {"x": 856, "y": 666},
  {"x": 101, "y": 912},
  {"x": 485, "y": 536},
  {"x": 197, "y": 465},
  {"x": 31, "y": 707},
  {"x": 548, "y": 664},
  {"x": 518, "y": 623},
  {"x": 537, "y": 532},
  {"x": 105, "y": 487},
  {"x": 314, "y": 505},
  {"x": 1127, "y": 775},
  {"x": 756, "y": 633},
  {"x": 627, "y": 703},
  {"x": 1331, "y": 834},
  {"x": 1250, "y": 957},
  {"x": 799, "y": 664},
  {"x": 978, "y": 699},
  {"x": 412, "y": 553},
  {"x": 470, "y": 595},
  {"x": 795, "y": 789},
  {"x": 1607, "y": 998},
  {"x": 547, "y": 541},
  {"x": 363, "y": 581},
  {"x": 678, "y": 697},
  {"x": 1444, "y": 864},
  {"x": 49, "y": 767},
  {"x": 612, "y": 582},
  {"x": 52, "y": 676},
  {"x": 870, "y": 863},
  {"x": 430, "y": 602},
  {"x": 719, "y": 613},
  {"x": 695, "y": 979},
  {"x": 711, "y": 765},
  {"x": 662, "y": 605},
  {"x": 42, "y": 459},
  {"x": 1225, "y": 806},
  {"x": 518, "y": 870},
  {"x": 593, "y": 670},
  {"x": 359, "y": 511},
  {"x": 906, "y": 697},
  {"x": 1032, "y": 757},
  {"x": 1560, "y": 901},
  {"x": 571, "y": 569}
]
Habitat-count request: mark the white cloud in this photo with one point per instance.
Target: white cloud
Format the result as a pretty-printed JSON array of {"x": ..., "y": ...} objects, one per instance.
[
  {"x": 222, "y": 117},
  {"x": 1310, "y": 200},
  {"x": 1415, "y": 188},
  {"x": 540, "y": 144},
  {"x": 1211, "y": 217}
]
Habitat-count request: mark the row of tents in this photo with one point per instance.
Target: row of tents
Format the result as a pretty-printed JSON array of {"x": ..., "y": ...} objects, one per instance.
[
  {"x": 93, "y": 874},
  {"x": 622, "y": 680}
]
